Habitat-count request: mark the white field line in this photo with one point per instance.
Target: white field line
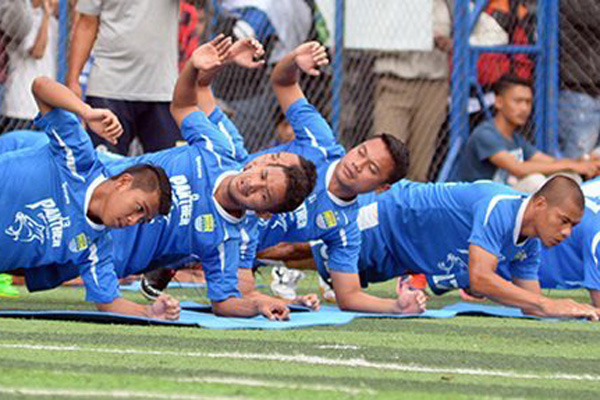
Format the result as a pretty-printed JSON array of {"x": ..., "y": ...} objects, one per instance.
[
  {"x": 279, "y": 385},
  {"x": 338, "y": 346},
  {"x": 113, "y": 394},
  {"x": 316, "y": 360}
]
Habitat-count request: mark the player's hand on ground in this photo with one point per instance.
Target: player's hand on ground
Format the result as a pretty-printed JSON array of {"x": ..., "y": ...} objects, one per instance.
[
  {"x": 411, "y": 301},
  {"x": 104, "y": 123},
  {"x": 567, "y": 308},
  {"x": 310, "y": 300},
  {"x": 212, "y": 54},
  {"x": 310, "y": 56},
  {"x": 247, "y": 53},
  {"x": 273, "y": 309},
  {"x": 165, "y": 307}
]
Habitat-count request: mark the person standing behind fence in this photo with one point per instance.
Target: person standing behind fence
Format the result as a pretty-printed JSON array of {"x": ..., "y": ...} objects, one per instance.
[
  {"x": 35, "y": 56},
  {"x": 134, "y": 69},
  {"x": 579, "y": 99},
  {"x": 412, "y": 93}
]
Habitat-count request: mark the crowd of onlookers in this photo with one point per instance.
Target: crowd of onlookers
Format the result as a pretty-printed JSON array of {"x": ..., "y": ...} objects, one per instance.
[{"x": 133, "y": 66}]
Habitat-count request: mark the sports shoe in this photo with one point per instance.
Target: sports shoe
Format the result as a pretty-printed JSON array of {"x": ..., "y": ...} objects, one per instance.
[
  {"x": 327, "y": 291},
  {"x": 154, "y": 282},
  {"x": 7, "y": 290},
  {"x": 285, "y": 281}
]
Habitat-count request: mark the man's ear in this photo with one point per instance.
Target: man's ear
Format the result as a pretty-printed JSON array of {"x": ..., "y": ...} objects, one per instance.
[
  {"x": 383, "y": 188},
  {"x": 540, "y": 202},
  {"x": 124, "y": 182}
]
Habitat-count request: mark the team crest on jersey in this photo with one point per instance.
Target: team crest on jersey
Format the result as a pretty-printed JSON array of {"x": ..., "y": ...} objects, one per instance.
[
  {"x": 520, "y": 256},
  {"x": 44, "y": 221},
  {"x": 205, "y": 223},
  {"x": 327, "y": 220},
  {"x": 79, "y": 243}
]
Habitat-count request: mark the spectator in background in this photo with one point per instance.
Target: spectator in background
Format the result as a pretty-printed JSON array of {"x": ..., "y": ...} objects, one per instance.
[
  {"x": 192, "y": 22},
  {"x": 36, "y": 55},
  {"x": 134, "y": 68},
  {"x": 412, "y": 93},
  {"x": 281, "y": 26},
  {"x": 579, "y": 99},
  {"x": 496, "y": 150}
]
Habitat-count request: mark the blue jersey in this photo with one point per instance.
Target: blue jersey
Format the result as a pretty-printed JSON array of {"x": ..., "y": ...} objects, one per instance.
[
  {"x": 573, "y": 264},
  {"x": 427, "y": 228},
  {"x": 196, "y": 225},
  {"x": 46, "y": 190},
  {"x": 17, "y": 140},
  {"x": 322, "y": 215}
]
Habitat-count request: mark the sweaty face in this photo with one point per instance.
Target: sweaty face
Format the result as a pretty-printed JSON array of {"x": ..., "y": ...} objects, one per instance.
[
  {"x": 365, "y": 167},
  {"x": 282, "y": 158},
  {"x": 515, "y": 104},
  {"x": 127, "y": 207},
  {"x": 555, "y": 223},
  {"x": 260, "y": 188}
]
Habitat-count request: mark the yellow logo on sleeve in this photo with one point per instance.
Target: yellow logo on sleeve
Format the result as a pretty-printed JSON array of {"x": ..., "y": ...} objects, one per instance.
[
  {"x": 79, "y": 243},
  {"x": 205, "y": 223},
  {"x": 327, "y": 220}
]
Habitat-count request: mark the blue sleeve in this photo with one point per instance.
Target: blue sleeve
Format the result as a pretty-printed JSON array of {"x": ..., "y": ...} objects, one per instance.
[
  {"x": 197, "y": 129},
  {"x": 486, "y": 142},
  {"x": 491, "y": 227},
  {"x": 343, "y": 248},
  {"x": 309, "y": 126},
  {"x": 591, "y": 270},
  {"x": 526, "y": 264},
  {"x": 68, "y": 140},
  {"x": 220, "y": 269},
  {"x": 17, "y": 140},
  {"x": 248, "y": 244},
  {"x": 233, "y": 136},
  {"x": 98, "y": 274}
]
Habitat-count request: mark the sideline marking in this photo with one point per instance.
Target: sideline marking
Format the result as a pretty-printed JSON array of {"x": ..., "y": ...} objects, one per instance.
[
  {"x": 116, "y": 394},
  {"x": 316, "y": 360}
]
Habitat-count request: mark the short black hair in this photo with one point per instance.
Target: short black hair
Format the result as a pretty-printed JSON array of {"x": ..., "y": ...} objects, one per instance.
[
  {"x": 508, "y": 81},
  {"x": 151, "y": 178},
  {"x": 400, "y": 155},
  {"x": 559, "y": 189},
  {"x": 300, "y": 180}
]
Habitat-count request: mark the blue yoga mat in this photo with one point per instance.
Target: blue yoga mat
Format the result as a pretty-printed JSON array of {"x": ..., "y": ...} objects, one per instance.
[{"x": 463, "y": 308}]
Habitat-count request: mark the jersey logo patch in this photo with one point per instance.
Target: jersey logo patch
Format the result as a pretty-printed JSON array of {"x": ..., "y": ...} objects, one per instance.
[
  {"x": 79, "y": 243},
  {"x": 205, "y": 223},
  {"x": 327, "y": 220},
  {"x": 520, "y": 256},
  {"x": 46, "y": 223}
]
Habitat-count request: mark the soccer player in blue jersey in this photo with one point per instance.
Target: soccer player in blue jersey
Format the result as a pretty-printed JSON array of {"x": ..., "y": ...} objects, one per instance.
[
  {"x": 211, "y": 198},
  {"x": 57, "y": 203},
  {"x": 574, "y": 263},
  {"x": 480, "y": 236}
]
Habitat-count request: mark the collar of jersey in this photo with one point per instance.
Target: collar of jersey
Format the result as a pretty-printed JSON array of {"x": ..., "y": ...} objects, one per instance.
[
  {"x": 88, "y": 197},
  {"x": 333, "y": 197},
  {"x": 222, "y": 212},
  {"x": 519, "y": 222}
]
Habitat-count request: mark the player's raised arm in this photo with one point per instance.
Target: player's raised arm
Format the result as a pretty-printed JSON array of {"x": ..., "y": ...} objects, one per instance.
[
  {"x": 484, "y": 281},
  {"x": 205, "y": 58},
  {"x": 50, "y": 94},
  {"x": 307, "y": 57}
]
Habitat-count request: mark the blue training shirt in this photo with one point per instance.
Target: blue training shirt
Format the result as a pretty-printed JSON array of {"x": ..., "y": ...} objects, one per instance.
[
  {"x": 46, "y": 191},
  {"x": 196, "y": 225},
  {"x": 427, "y": 228},
  {"x": 322, "y": 215}
]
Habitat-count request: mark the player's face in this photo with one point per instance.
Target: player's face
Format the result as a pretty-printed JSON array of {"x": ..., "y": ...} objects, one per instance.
[
  {"x": 126, "y": 207},
  {"x": 556, "y": 223},
  {"x": 365, "y": 167},
  {"x": 280, "y": 158},
  {"x": 260, "y": 188},
  {"x": 515, "y": 104}
]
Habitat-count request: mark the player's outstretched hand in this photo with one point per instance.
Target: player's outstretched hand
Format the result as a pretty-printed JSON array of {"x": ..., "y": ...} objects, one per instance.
[
  {"x": 567, "y": 308},
  {"x": 310, "y": 300},
  {"x": 104, "y": 123},
  {"x": 247, "y": 53},
  {"x": 273, "y": 309},
  {"x": 310, "y": 56},
  {"x": 411, "y": 301},
  {"x": 165, "y": 307},
  {"x": 212, "y": 54}
]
